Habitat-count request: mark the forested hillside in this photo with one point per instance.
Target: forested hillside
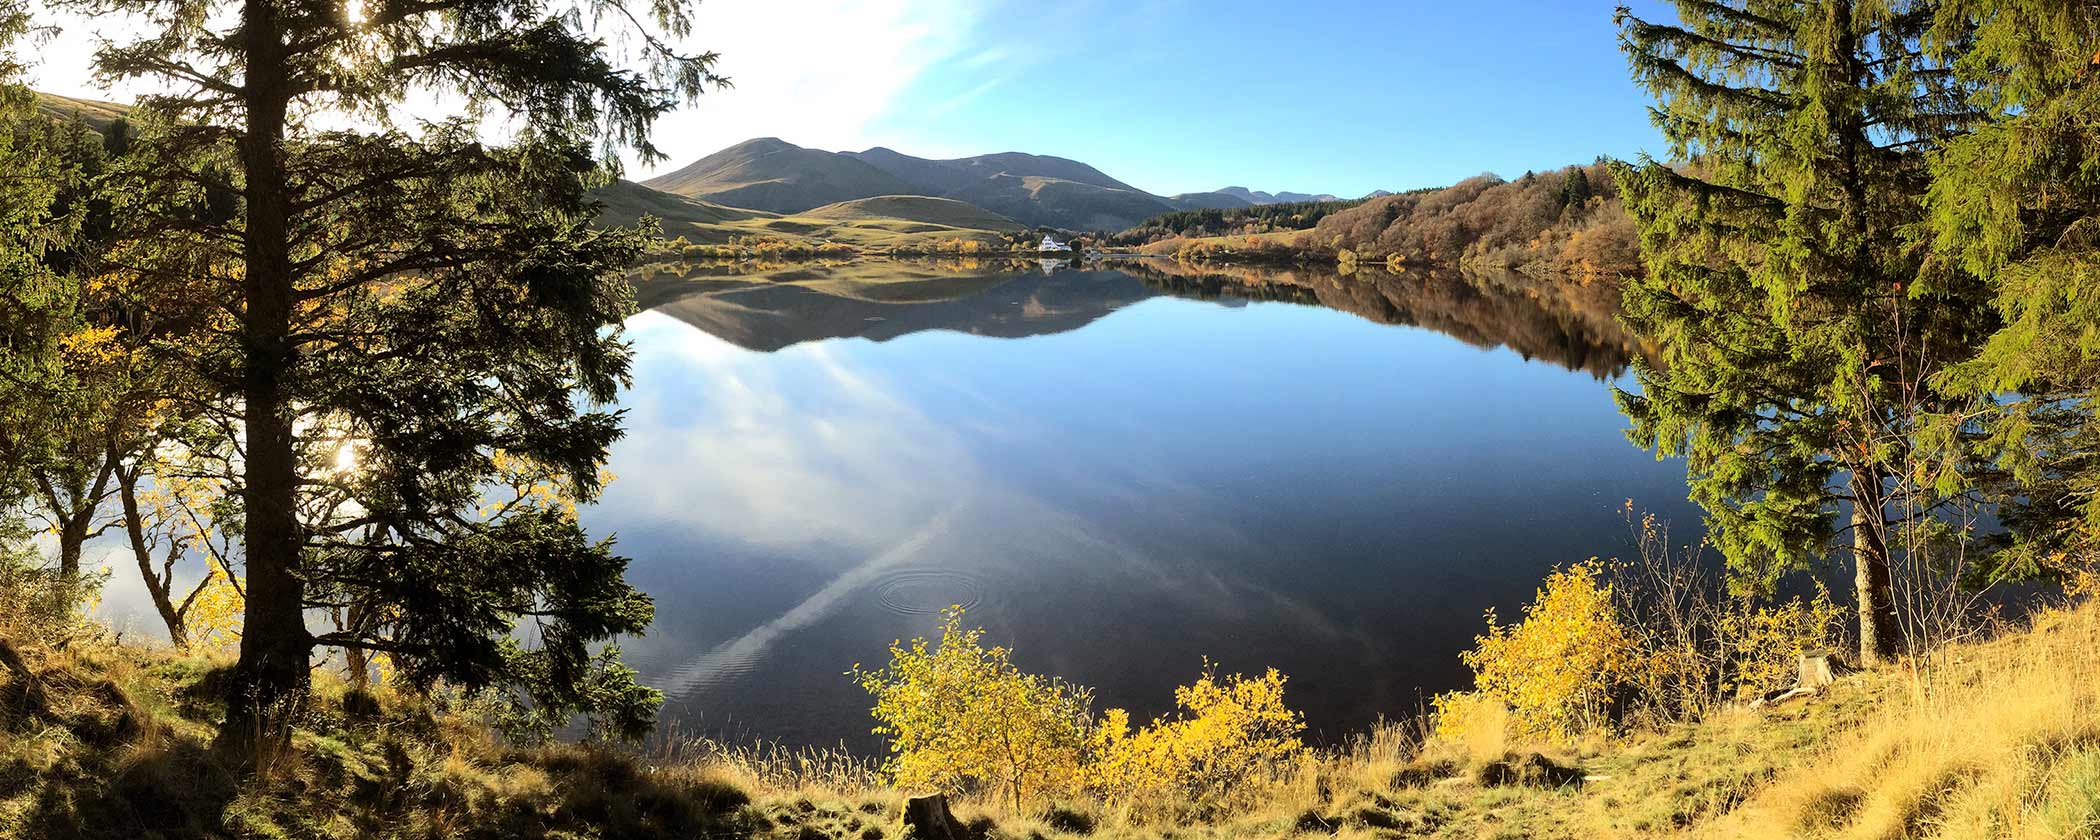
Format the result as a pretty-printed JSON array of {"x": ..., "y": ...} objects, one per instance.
[
  {"x": 1226, "y": 221},
  {"x": 1569, "y": 220}
]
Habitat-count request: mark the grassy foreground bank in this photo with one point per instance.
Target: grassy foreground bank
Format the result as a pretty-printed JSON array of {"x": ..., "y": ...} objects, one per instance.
[{"x": 1993, "y": 739}]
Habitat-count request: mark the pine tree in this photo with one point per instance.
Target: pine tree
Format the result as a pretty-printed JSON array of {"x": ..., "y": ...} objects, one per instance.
[
  {"x": 1796, "y": 321},
  {"x": 401, "y": 312},
  {"x": 2018, "y": 203}
]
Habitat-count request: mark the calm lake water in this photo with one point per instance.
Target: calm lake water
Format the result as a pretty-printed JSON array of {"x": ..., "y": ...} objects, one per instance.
[{"x": 1118, "y": 471}]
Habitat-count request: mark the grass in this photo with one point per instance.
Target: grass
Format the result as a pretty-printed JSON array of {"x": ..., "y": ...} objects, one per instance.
[
  {"x": 887, "y": 223},
  {"x": 1992, "y": 739}
]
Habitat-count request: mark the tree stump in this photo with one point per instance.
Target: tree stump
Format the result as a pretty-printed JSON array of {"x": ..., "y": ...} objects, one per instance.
[
  {"x": 928, "y": 818},
  {"x": 1816, "y": 670}
]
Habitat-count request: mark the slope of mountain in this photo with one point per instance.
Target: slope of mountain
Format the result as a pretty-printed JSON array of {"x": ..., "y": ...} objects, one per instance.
[
  {"x": 1208, "y": 201},
  {"x": 1063, "y": 204},
  {"x": 881, "y": 223},
  {"x": 934, "y": 177},
  {"x": 918, "y": 209},
  {"x": 627, "y": 202},
  {"x": 96, "y": 114},
  {"x": 772, "y": 175},
  {"x": 1259, "y": 197},
  {"x": 780, "y": 177},
  {"x": 948, "y": 176}
]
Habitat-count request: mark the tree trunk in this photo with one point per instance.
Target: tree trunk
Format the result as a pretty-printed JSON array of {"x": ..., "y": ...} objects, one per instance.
[
  {"x": 76, "y": 518},
  {"x": 1873, "y": 585},
  {"x": 270, "y": 679},
  {"x": 157, "y": 585},
  {"x": 72, "y": 538}
]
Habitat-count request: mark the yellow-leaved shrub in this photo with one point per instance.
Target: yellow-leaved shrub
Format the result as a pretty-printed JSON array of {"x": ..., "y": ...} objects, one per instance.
[
  {"x": 1556, "y": 670},
  {"x": 1228, "y": 734},
  {"x": 959, "y": 717}
]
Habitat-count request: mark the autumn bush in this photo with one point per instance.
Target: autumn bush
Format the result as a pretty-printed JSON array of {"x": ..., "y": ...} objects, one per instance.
[
  {"x": 1228, "y": 735},
  {"x": 40, "y": 602},
  {"x": 1558, "y": 669},
  {"x": 1607, "y": 646},
  {"x": 960, "y": 717}
]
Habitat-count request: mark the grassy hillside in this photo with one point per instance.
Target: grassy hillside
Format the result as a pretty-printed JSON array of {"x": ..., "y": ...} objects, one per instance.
[
  {"x": 1058, "y": 203},
  {"x": 1208, "y": 201},
  {"x": 881, "y": 223},
  {"x": 1997, "y": 739},
  {"x": 626, "y": 202},
  {"x": 942, "y": 212},
  {"x": 948, "y": 176},
  {"x": 772, "y": 175},
  {"x": 96, "y": 114}
]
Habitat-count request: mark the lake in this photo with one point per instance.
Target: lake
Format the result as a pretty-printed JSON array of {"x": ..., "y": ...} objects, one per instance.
[{"x": 1118, "y": 471}]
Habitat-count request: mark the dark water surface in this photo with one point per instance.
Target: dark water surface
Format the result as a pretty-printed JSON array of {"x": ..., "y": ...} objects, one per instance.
[{"x": 1119, "y": 471}]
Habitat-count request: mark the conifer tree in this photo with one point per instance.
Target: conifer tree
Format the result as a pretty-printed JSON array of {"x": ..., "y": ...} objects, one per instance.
[
  {"x": 1796, "y": 322},
  {"x": 2018, "y": 203},
  {"x": 401, "y": 311}
]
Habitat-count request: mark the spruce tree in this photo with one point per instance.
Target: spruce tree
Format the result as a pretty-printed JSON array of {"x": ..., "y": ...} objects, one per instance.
[
  {"x": 2018, "y": 203},
  {"x": 405, "y": 313},
  {"x": 1796, "y": 322}
]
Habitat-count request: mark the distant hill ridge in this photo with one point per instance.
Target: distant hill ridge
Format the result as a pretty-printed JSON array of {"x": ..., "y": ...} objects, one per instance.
[
  {"x": 768, "y": 176},
  {"x": 772, "y": 175}
]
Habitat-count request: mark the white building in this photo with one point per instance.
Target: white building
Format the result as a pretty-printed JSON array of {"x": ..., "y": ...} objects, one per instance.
[{"x": 1050, "y": 243}]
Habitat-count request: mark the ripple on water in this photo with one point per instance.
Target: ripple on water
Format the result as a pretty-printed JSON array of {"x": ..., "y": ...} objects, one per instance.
[{"x": 927, "y": 591}]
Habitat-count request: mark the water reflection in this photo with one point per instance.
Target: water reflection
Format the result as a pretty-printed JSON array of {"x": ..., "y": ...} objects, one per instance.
[
  {"x": 819, "y": 461},
  {"x": 1572, "y": 324}
]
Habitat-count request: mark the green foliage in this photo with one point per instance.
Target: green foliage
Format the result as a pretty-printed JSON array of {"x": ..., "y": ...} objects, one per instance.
[
  {"x": 385, "y": 314},
  {"x": 1797, "y": 322},
  {"x": 1256, "y": 219},
  {"x": 2017, "y": 202},
  {"x": 43, "y": 605}
]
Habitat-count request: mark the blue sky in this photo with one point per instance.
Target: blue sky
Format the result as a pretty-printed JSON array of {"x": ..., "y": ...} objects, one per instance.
[{"x": 1340, "y": 96}]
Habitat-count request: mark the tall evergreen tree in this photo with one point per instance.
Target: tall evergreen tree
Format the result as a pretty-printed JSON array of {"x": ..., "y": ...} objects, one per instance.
[
  {"x": 2018, "y": 203},
  {"x": 403, "y": 312},
  {"x": 1796, "y": 322}
]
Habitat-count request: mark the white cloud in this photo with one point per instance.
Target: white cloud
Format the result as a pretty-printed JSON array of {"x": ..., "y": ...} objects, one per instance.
[{"x": 815, "y": 73}]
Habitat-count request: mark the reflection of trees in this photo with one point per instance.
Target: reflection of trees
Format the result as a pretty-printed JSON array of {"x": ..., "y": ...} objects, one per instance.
[{"x": 1571, "y": 324}]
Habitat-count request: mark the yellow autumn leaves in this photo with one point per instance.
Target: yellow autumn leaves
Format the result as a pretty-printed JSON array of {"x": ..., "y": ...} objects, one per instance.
[
  {"x": 1576, "y": 663},
  {"x": 960, "y": 717},
  {"x": 1556, "y": 669}
]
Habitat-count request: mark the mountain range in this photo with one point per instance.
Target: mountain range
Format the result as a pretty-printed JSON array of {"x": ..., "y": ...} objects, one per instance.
[{"x": 772, "y": 175}]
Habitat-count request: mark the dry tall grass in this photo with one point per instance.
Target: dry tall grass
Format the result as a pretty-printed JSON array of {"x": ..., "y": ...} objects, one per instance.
[{"x": 1997, "y": 739}]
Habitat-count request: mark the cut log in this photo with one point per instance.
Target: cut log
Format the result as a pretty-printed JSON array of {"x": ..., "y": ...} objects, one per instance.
[
  {"x": 928, "y": 818},
  {"x": 1816, "y": 670}
]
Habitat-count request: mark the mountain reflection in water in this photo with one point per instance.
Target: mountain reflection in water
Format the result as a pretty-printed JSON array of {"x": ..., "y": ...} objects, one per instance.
[
  {"x": 1120, "y": 469},
  {"x": 1572, "y": 324}
]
